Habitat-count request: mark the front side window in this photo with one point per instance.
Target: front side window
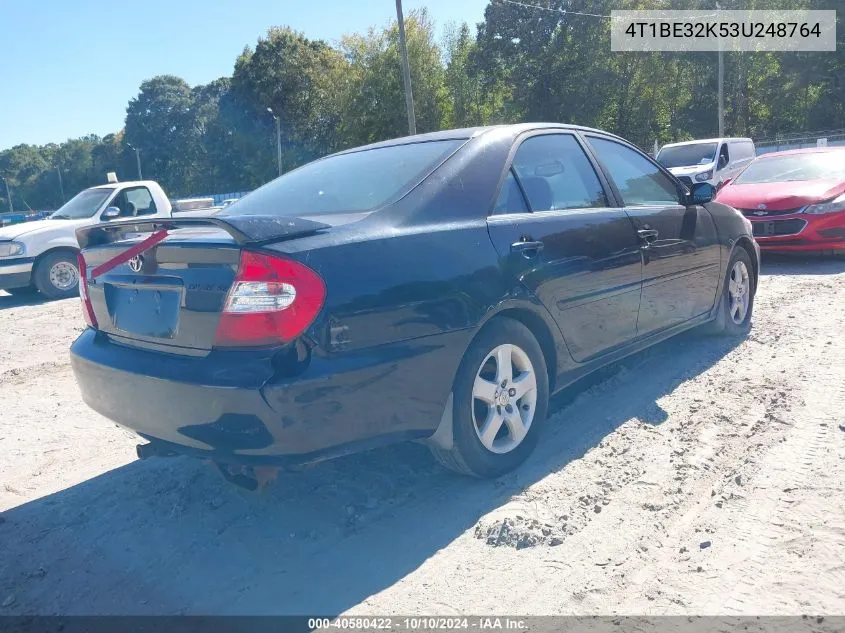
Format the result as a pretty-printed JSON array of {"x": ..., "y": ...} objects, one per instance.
[
  {"x": 640, "y": 182},
  {"x": 347, "y": 183},
  {"x": 139, "y": 201},
  {"x": 556, "y": 174},
  {"x": 724, "y": 157}
]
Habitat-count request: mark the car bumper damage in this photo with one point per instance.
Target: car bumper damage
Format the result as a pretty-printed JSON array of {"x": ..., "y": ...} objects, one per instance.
[{"x": 237, "y": 407}]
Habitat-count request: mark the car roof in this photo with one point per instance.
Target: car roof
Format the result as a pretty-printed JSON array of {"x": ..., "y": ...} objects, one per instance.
[
  {"x": 804, "y": 150},
  {"x": 473, "y": 132},
  {"x": 708, "y": 140}
]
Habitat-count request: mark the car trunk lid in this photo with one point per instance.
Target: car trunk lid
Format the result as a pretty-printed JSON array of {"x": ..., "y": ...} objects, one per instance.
[{"x": 170, "y": 296}]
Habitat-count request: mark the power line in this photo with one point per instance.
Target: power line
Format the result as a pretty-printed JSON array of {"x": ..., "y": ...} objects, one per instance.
[
  {"x": 589, "y": 15},
  {"x": 555, "y": 10}
]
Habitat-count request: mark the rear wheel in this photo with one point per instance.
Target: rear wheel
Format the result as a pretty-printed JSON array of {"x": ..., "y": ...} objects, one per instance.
[
  {"x": 57, "y": 276},
  {"x": 734, "y": 318},
  {"x": 500, "y": 397}
]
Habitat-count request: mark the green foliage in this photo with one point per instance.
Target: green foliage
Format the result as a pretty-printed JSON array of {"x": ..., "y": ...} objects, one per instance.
[{"x": 521, "y": 64}]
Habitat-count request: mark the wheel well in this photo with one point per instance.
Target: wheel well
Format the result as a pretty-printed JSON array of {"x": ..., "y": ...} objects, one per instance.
[
  {"x": 541, "y": 332},
  {"x": 746, "y": 244},
  {"x": 57, "y": 249}
]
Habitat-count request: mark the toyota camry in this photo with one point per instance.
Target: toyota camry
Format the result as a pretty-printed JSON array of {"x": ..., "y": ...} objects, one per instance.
[{"x": 437, "y": 287}]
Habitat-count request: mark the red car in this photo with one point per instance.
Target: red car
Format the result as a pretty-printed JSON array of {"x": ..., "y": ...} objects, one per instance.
[{"x": 794, "y": 199}]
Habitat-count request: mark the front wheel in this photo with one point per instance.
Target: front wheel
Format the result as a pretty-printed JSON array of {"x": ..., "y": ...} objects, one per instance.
[
  {"x": 500, "y": 397},
  {"x": 57, "y": 276}
]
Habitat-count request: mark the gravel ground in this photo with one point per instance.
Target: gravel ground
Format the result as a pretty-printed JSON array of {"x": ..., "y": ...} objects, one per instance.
[{"x": 705, "y": 476}]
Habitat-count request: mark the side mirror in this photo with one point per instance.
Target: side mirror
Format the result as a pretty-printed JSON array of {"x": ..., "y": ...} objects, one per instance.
[
  {"x": 111, "y": 213},
  {"x": 723, "y": 161},
  {"x": 701, "y": 192},
  {"x": 723, "y": 184}
]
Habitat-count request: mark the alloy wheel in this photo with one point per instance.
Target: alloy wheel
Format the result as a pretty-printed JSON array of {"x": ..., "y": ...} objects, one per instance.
[
  {"x": 739, "y": 292},
  {"x": 504, "y": 398}
]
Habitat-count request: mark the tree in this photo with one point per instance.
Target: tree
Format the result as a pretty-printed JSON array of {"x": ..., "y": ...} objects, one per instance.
[{"x": 376, "y": 110}]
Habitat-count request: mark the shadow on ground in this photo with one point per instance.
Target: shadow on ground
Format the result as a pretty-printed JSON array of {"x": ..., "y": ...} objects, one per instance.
[
  {"x": 28, "y": 298},
  {"x": 170, "y": 536}
]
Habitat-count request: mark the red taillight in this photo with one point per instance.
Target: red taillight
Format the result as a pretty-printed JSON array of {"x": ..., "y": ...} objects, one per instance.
[
  {"x": 87, "y": 308},
  {"x": 272, "y": 300}
]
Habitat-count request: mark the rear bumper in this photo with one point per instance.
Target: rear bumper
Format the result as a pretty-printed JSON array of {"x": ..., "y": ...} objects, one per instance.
[
  {"x": 234, "y": 407},
  {"x": 15, "y": 273}
]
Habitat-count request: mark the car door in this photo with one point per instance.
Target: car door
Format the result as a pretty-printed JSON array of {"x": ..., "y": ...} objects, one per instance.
[
  {"x": 558, "y": 233},
  {"x": 679, "y": 244}
]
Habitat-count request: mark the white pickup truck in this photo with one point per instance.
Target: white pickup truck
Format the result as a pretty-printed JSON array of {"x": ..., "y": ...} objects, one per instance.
[{"x": 41, "y": 255}]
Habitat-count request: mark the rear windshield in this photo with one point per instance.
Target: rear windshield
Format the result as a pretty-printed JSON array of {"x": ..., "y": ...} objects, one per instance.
[
  {"x": 813, "y": 166},
  {"x": 687, "y": 155},
  {"x": 347, "y": 183}
]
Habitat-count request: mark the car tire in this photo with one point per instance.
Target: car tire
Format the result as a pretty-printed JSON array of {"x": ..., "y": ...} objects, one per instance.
[
  {"x": 737, "y": 302},
  {"x": 57, "y": 275},
  {"x": 495, "y": 433}
]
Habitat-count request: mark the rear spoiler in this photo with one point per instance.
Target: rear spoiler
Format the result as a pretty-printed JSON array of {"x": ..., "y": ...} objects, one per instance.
[{"x": 244, "y": 229}]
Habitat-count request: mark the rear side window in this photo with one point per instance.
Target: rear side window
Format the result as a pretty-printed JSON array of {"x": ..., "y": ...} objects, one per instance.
[
  {"x": 347, "y": 183},
  {"x": 640, "y": 182},
  {"x": 556, "y": 174},
  {"x": 510, "y": 198}
]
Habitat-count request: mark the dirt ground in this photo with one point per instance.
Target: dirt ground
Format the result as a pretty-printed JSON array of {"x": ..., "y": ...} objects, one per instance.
[{"x": 705, "y": 476}]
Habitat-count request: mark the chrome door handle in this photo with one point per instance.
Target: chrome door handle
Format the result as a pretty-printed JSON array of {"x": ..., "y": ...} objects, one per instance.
[
  {"x": 648, "y": 235},
  {"x": 528, "y": 248}
]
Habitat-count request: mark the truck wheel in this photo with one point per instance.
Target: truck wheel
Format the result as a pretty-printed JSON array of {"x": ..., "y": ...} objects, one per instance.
[{"x": 56, "y": 276}]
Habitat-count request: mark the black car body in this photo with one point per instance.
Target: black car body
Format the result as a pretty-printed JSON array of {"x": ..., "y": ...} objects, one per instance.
[{"x": 528, "y": 223}]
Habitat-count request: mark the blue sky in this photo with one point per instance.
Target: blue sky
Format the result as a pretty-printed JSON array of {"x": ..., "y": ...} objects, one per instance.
[{"x": 69, "y": 67}]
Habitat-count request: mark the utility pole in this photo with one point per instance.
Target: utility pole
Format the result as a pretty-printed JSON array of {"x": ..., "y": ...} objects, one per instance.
[
  {"x": 406, "y": 70},
  {"x": 721, "y": 86},
  {"x": 137, "y": 159},
  {"x": 9, "y": 195},
  {"x": 278, "y": 138},
  {"x": 61, "y": 186}
]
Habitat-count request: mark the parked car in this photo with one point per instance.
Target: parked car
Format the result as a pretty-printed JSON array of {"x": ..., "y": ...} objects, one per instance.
[
  {"x": 712, "y": 160},
  {"x": 794, "y": 199},
  {"x": 42, "y": 254},
  {"x": 437, "y": 287}
]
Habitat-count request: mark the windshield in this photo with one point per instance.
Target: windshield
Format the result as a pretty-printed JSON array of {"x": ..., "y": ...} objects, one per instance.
[
  {"x": 82, "y": 205},
  {"x": 687, "y": 155},
  {"x": 347, "y": 183},
  {"x": 792, "y": 167}
]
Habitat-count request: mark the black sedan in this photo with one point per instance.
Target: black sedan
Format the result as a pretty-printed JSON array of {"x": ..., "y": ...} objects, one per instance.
[{"x": 436, "y": 287}]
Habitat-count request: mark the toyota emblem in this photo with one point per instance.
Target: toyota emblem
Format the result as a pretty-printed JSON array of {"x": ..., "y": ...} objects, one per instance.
[
  {"x": 762, "y": 207},
  {"x": 136, "y": 264}
]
